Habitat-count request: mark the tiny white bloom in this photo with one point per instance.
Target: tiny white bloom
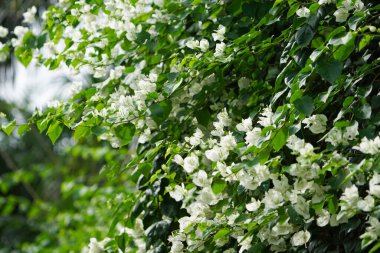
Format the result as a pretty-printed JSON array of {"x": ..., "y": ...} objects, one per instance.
[{"x": 303, "y": 12}]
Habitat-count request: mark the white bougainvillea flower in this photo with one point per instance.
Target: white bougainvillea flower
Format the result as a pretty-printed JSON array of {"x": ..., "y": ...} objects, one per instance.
[
  {"x": 273, "y": 199},
  {"x": 367, "y": 146},
  {"x": 193, "y": 44},
  {"x": 303, "y": 12},
  {"x": 321, "y": 2},
  {"x": 323, "y": 217},
  {"x": 30, "y": 15},
  {"x": 97, "y": 247},
  {"x": 200, "y": 179},
  {"x": 316, "y": 123},
  {"x": 178, "y": 160},
  {"x": 253, "y": 205},
  {"x": 190, "y": 163},
  {"x": 245, "y": 125},
  {"x": 341, "y": 15},
  {"x": 178, "y": 192},
  {"x": 219, "y": 49},
  {"x": 374, "y": 185},
  {"x": 177, "y": 247},
  {"x": 266, "y": 117},
  {"x": 334, "y": 136},
  {"x": 299, "y": 146},
  {"x": 217, "y": 154},
  {"x": 228, "y": 142},
  {"x": 351, "y": 132},
  {"x": 366, "y": 204},
  {"x": 373, "y": 230},
  {"x": 3, "y": 32},
  {"x": 300, "y": 238},
  {"x": 204, "y": 45},
  {"x": 218, "y": 35},
  {"x": 349, "y": 198}
]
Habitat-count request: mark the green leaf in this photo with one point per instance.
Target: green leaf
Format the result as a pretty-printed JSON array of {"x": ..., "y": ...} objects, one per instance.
[
  {"x": 98, "y": 130},
  {"x": 160, "y": 111},
  {"x": 8, "y": 128},
  {"x": 332, "y": 205},
  {"x": 280, "y": 138},
  {"x": 292, "y": 10},
  {"x": 221, "y": 233},
  {"x": 22, "y": 129},
  {"x": 375, "y": 248},
  {"x": 363, "y": 112},
  {"x": 329, "y": 69},
  {"x": 125, "y": 133},
  {"x": 54, "y": 131},
  {"x": 366, "y": 242},
  {"x": 81, "y": 132},
  {"x": 42, "y": 124},
  {"x": 344, "y": 51},
  {"x": 203, "y": 116},
  {"x": 365, "y": 40},
  {"x": 24, "y": 55},
  {"x": 340, "y": 38},
  {"x": 218, "y": 185},
  {"x": 304, "y": 105},
  {"x": 304, "y": 35},
  {"x": 355, "y": 19}
]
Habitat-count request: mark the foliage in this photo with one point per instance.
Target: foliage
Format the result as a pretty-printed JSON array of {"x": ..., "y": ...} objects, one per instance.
[{"x": 256, "y": 122}]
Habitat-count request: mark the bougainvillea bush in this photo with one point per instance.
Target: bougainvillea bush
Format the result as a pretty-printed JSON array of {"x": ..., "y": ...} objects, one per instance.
[{"x": 252, "y": 126}]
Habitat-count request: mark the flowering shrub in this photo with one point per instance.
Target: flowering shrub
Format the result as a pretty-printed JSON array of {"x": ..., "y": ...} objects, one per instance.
[{"x": 256, "y": 122}]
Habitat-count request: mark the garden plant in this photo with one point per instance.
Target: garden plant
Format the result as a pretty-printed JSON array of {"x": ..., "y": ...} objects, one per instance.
[{"x": 229, "y": 125}]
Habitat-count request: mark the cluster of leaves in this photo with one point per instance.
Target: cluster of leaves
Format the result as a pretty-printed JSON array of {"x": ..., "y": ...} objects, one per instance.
[{"x": 166, "y": 69}]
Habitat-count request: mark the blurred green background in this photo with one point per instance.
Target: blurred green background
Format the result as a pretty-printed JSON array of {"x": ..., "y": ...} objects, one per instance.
[{"x": 52, "y": 199}]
